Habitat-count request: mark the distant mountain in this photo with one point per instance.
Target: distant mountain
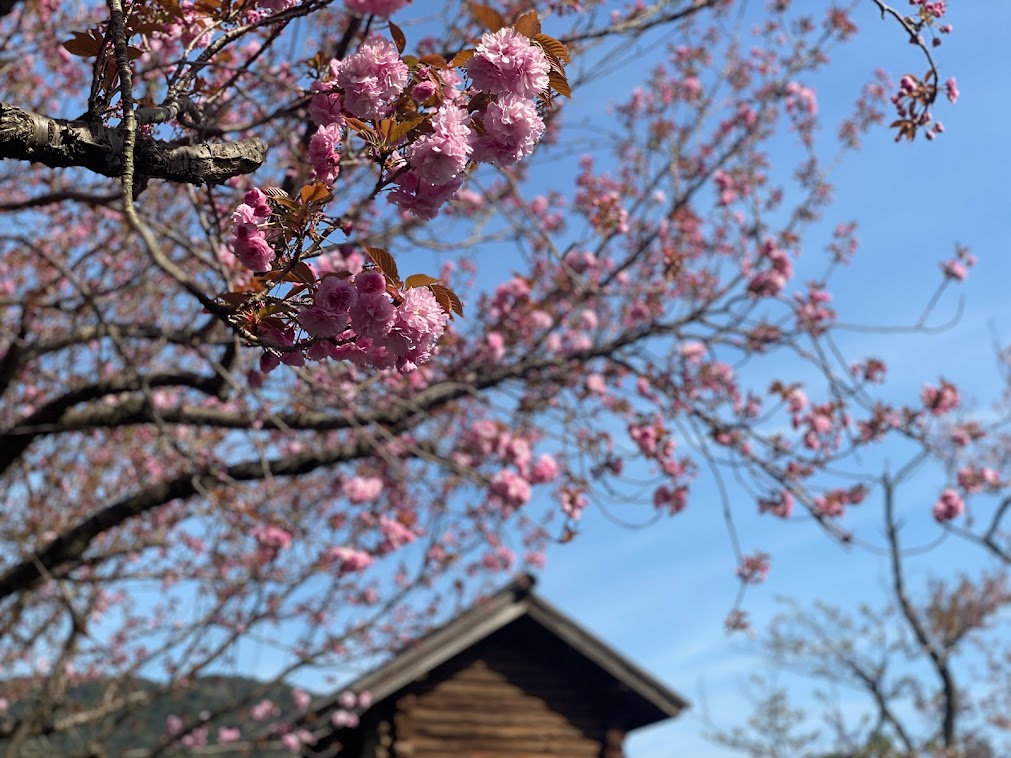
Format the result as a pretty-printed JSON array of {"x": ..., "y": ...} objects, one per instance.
[{"x": 145, "y": 726}]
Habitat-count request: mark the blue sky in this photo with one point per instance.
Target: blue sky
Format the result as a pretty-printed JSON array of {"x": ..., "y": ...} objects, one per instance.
[{"x": 660, "y": 594}]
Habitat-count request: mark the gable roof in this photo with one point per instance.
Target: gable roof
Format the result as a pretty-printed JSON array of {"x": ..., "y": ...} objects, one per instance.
[{"x": 650, "y": 699}]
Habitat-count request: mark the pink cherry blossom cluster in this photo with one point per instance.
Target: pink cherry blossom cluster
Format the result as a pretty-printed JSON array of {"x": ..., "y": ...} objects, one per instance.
[
  {"x": 833, "y": 503},
  {"x": 941, "y": 399},
  {"x": 249, "y": 238},
  {"x": 509, "y": 70},
  {"x": 754, "y": 569},
  {"x": 975, "y": 479},
  {"x": 270, "y": 541},
  {"x": 770, "y": 281},
  {"x": 957, "y": 268},
  {"x": 779, "y": 504},
  {"x": 813, "y": 315},
  {"x": 949, "y": 506},
  {"x": 356, "y": 318}
]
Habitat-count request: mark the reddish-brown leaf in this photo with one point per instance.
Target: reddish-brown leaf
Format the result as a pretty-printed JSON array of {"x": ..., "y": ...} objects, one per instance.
[
  {"x": 553, "y": 46},
  {"x": 398, "y": 37},
  {"x": 419, "y": 280},
  {"x": 448, "y": 299},
  {"x": 434, "y": 60},
  {"x": 528, "y": 24},
  {"x": 84, "y": 44},
  {"x": 385, "y": 262},
  {"x": 559, "y": 84},
  {"x": 399, "y": 131},
  {"x": 316, "y": 192},
  {"x": 487, "y": 16},
  {"x": 300, "y": 273},
  {"x": 461, "y": 58}
]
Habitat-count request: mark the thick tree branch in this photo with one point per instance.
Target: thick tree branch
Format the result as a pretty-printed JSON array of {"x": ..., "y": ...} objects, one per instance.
[
  {"x": 70, "y": 546},
  {"x": 60, "y": 143},
  {"x": 13, "y": 446}
]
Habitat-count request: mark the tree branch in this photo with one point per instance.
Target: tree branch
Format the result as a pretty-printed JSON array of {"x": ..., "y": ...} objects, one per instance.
[{"x": 59, "y": 143}]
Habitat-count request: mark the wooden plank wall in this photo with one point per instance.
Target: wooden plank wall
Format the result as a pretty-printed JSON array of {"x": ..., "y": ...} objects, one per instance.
[{"x": 502, "y": 701}]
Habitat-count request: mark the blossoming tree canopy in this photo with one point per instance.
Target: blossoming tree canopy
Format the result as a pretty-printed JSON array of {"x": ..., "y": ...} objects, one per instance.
[
  {"x": 243, "y": 189},
  {"x": 424, "y": 129}
]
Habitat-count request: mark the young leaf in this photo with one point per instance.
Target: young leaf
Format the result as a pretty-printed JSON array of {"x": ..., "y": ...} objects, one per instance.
[
  {"x": 434, "y": 60},
  {"x": 385, "y": 262},
  {"x": 461, "y": 58},
  {"x": 553, "y": 46},
  {"x": 487, "y": 16},
  {"x": 300, "y": 273},
  {"x": 528, "y": 24},
  {"x": 316, "y": 192},
  {"x": 419, "y": 280},
  {"x": 399, "y": 131},
  {"x": 559, "y": 84},
  {"x": 398, "y": 38},
  {"x": 448, "y": 299},
  {"x": 84, "y": 44}
]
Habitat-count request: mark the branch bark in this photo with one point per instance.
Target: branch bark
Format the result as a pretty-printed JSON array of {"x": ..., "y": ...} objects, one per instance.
[{"x": 59, "y": 143}]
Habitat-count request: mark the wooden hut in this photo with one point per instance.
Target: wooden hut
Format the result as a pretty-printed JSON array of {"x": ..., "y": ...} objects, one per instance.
[{"x": 510, "y": 678}]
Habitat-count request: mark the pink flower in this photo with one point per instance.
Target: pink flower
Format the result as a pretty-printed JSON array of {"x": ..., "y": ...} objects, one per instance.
[
  {"x": 372, "y": 315},
  {"x": 440, "y": 157},
  {"x": 395, "y": 534},
  {"x": 419, "y": 198},
  {"x": 323, "y": 152},
  {"x": 673, "y": 499},
  {"x": 349, "y": 559},
  {"x": 335, "y": 295},
  {"x": 754, "y": 568},
  {"x": 940, "y": 400},
  {"x": 780, "y": 505},
  {"x": 363, "y": 489},
  {"x": 422, "y": 91},
  {"x": 692, "y": 351},
  {"x": 375, "y": 7},
  {"x": 510, "y": 489},
  {"x": 972, "y": 479},
  {"x": 173, "y": 725},
  {"x": 264, "y": 709},
  {"x": 370, "y": 282},
  {"x": 955, "y": 270},
  {"x": 507, "y": 63},
  {"x": 545, "y": 470},
  {"x": 271, "y": 540},
  {"x": 948, "y": 506},
  {"x": 372, "y": 78},
  {"x": 418, "y": 324},
  {"x": 227, "y": 734},
  {"x": 254, "y": 252},
  {"x": 322, "y": 323},
  {"x": 325, "y": 106},
  {"x": 951, "y": 88},
  {"x": 301, "y": 698},
  {"x": 512, "y": 129}
]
